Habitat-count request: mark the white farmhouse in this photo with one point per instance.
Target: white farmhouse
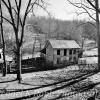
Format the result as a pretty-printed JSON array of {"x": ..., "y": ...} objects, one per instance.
[{"x": 61, "y": 51}]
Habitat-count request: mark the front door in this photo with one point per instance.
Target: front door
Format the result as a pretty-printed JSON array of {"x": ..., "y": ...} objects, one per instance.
[{"x": 58, "y": 60}]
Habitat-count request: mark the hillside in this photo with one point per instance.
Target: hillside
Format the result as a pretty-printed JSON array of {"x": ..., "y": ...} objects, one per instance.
[{"x": 47, "y": 28}]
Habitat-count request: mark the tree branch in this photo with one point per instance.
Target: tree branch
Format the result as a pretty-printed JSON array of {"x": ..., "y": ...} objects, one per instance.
[
  {"x": 93, "y": 5},
  {"x": 23, "y": 24},
  {"x": 86, "y": 23},
  {"x": 5, "y": 3},
  {"x": 16, "y": 4},
  {"x": 88, "y": 7},
  {"x": 11, "y": 14},
  {"x": 17, "y": 14},
  {"x": 82, "y": 6},
  {"x": 74, "y": 4},
  {"x": 88, "y": 13},
  {"x": 43, "y": 8},
  {"x": 15, "y": 10},
  {"x": 12, "y": 18},
  {"x": 32, "y": 5},
  {"x": 7, "y": 20}
]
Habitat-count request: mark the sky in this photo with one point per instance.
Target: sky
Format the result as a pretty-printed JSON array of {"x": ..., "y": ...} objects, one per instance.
[{"x": 61, "y": 9}]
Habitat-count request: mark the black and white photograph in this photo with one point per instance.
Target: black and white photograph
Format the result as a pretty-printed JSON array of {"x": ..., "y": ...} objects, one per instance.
[{"x": 49, "y": 49}]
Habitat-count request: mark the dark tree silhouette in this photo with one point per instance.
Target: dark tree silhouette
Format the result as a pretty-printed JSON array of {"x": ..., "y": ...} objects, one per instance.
[
  {"x": 4, "y": 69},
  {"x": 90, "y": 6},
  {"x": 18, "y": 23}
]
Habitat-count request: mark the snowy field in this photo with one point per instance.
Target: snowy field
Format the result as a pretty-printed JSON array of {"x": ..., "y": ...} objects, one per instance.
[
  {"x": 38, "y": 79},
  {"x": 90, "y": 56},
  {"x": 91, "y": 52}
]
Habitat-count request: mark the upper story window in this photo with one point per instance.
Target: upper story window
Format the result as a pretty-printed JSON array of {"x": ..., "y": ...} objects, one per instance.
[
  {"x": 58, "y": 52},
  {"x": 70, "y": 52},
  {"x": 0, "y": 55},
  {"x": 74, "y": 52},
  {"x": 65, "y": 52}
]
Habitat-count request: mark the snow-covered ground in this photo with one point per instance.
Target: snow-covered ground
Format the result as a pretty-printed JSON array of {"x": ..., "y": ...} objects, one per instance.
[
  {"x": 90, "y": 60},
  {"x": 53, "y": 74},
  {"x": 34, "y": 80},
  {"x": 90, "y": 56},
  {"x": 38, "y": 79},
  {"x": 91, "y": 52}
]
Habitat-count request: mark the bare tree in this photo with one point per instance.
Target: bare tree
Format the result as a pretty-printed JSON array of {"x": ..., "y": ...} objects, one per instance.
[
  {"x": 4, "y": 69},
  {"x": 90, "y": 6},
  {"x": 98, "y": 29},
  {"x": 18, "y": 24}
]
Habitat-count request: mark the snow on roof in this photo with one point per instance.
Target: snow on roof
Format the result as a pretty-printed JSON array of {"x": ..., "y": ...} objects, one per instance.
[{"x": 64, "y": 44}]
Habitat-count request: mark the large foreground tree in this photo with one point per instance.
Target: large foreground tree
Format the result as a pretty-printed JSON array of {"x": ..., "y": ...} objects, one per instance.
[
  {"x": 4, "y": 68},
  {"x": 13, "y": 9}
]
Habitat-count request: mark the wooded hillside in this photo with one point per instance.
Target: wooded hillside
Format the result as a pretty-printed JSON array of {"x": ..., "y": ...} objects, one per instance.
[{"x": 41, "y": 28}]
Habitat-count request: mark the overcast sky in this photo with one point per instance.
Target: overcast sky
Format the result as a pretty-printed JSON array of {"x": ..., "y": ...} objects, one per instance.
[{"x": 61, "y": 9}]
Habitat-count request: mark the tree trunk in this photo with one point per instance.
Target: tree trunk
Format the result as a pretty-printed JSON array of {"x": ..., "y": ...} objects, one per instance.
[
  {"x": 98, "y": 32},
  {"x": 4, "y": 69},
  {"x": 4, "y": 63},
  {"x": 82, "y": 45},
  {"x": 19, "y": 64}
]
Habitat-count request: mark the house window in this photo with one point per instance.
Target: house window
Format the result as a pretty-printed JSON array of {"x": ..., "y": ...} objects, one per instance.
[
  {"x": 65, "y": 52},
  {"x": 70, "y": 59},
  {"x": 58, "y": 52},
  {"x": 70, "y": 52},
  {"x": 74, "y": 59},
  {"x": 58, "y": 60},
  {"x": 0, "y": 56},
  {"x": 74, "y": 52},
  {"x": 77, "y": 51}
]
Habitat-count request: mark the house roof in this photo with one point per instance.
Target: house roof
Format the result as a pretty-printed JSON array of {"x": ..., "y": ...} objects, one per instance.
[{"x": 63, "y": 44}]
